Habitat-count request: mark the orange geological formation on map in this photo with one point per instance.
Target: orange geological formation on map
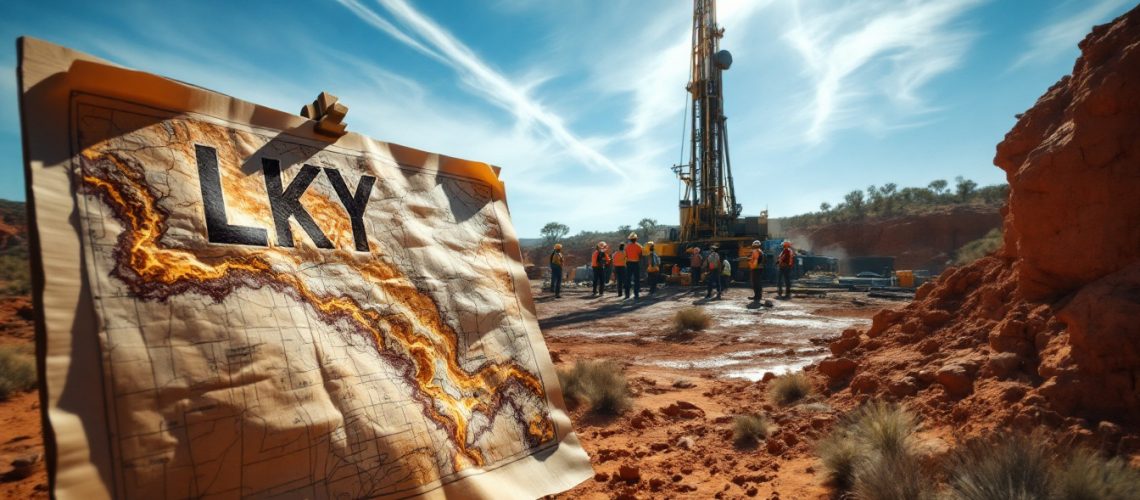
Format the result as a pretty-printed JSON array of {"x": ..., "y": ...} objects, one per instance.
[{"x": 154, "y": 271}]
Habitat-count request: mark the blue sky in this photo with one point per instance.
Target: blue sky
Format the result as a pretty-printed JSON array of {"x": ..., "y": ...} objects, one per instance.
[{"x": 581, "y": 102}]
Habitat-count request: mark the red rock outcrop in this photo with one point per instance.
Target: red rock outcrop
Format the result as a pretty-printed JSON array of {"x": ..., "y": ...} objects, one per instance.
[{"x": 1046, "y": 332}]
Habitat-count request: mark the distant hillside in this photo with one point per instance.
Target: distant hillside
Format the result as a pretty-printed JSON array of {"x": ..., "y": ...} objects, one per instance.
[
  {"x": 929, "y": 240},
  {"x": 14, "y": 275}
]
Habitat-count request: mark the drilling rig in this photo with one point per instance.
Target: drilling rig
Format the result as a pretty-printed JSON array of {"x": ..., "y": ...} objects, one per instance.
[{"x": 709, "y": 212}]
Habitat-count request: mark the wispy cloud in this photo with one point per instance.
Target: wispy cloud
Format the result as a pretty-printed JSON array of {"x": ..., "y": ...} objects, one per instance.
[
  {"x": 1053, "y": 40},
  {"x": 873, "y": 53},
  {"x": 480, "y": 76}
]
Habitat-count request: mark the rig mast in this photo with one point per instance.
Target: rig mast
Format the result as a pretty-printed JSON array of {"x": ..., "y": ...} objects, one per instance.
[{"x": 708, "y": 209}]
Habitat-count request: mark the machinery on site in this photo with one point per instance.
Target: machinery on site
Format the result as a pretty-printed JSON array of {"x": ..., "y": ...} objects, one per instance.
[{"x": 709, "y": 212}]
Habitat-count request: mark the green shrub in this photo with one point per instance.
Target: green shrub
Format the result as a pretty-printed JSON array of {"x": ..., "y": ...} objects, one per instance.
[
  {"x": 1088, "y": 476},
  {"x": 17, "y": 370},
  {"x": 748, "y": 430},
  {"x": 979, "y": 248},
  {"x": 15, "y": 276},
  {"x": 599, "y": 384},
  {"x": 691, "y": 319},
  {"x": 1010, "y": 466},
  {"x": 787, "y": 389}
]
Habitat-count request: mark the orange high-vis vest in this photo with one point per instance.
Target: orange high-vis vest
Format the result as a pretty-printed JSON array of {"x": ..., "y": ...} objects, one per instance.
[
  {"x": 754, "y": 259},
  {"x": 619, "y": 259},
  {"x": 787, "y": 258},
  {"x": 633, "y": 252},
  {"x": 599, "y": 259}
]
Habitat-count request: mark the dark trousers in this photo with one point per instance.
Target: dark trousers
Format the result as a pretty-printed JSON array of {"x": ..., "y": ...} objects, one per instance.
[
  {"x": 619, "y": 279},
  {"x": 696, "y": 270},
  {"x": 724, "y": 282},
  {"x": 757, "y": 289},
  {"x": 714, "y": 282},
  {"x": 599, "y": 280},
  {"x": 633, "y": 279},
  {"x": 785, "y": 280},
  {"x": 556, "y": 279},
  {"x": 653, "y": 278}
]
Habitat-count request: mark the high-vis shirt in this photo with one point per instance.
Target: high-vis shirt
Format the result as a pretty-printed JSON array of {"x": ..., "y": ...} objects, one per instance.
[
  {"x": 599, "y": 259},
  {"x": 619, "y": 259},
  {"x": 633, "y": 252},
  {"x": 787, "y": 259},
  {"x": 556, "y": 258},
  {"x": 756, "y": 260}
]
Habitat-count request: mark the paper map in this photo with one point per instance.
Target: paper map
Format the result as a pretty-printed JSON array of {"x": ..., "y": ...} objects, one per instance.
[{"x": 281, "y": 316}]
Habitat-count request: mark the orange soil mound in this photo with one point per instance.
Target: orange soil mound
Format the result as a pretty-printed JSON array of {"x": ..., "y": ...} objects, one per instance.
[{"x": 1046, "y": 332}]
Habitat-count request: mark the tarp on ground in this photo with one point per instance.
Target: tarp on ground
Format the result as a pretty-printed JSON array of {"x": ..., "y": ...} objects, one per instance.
[{"x": 232, "y": 305}]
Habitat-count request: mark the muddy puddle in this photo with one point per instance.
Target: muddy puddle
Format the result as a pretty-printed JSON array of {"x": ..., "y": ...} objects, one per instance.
[
  {"x": 781, "y": 339},
  {"x": 744, "y": 341}
]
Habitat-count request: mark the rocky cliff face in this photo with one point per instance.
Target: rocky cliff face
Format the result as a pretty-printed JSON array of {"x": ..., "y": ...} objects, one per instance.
[
  {"x": 1073, "y": 164},
  {"x": 921, "y": 241},
  {"x": 1048, "y": 331}
]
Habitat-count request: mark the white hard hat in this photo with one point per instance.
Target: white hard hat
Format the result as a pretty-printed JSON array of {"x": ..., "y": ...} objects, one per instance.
[{"x": 756, "y": 243}]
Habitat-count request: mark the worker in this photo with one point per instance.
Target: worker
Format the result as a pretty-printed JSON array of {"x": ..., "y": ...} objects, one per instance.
[
  {"x": 712, "y": 265},
  {"x": 756, "y": 270},
  {"x": 556, "y": 271},
  {"x": 786, "y": 261},
  {"x": 695, "y": 262},
  {"x": 725, "y": 274},
  {"x": 653, "y": 269},
  {"x": 633, "y": 267},
  {"x": 598, "y": 261},
  {"x": 619, "y": 260}
]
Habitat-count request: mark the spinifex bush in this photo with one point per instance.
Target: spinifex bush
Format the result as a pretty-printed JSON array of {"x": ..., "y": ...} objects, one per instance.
[
  {"x": 884, "y": 428},
  {"x": 1088, "y": 476},
  {"x": 892, "y": 477},
  {"x": 788, "y": 389},
  {"x": 748, "y": 430},
  {"x": 17, "y": 371},
  {"x": 599, "y": 384},
  {"x": 1011, "y": 466},
  {"x": 872, "y": 444},
  {"x": 691, "y": 319}
]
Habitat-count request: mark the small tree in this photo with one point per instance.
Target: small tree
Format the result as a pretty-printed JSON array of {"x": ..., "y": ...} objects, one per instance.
[
  {"x": 854, "y": 200},
  {"x": 874, "y": 199},
  {"x": 964, "y": 187},
  {"x": 888, "y": 194},
  {"x": 824, "y": 207},
  {"x": 625, "y": 230},
  {"x": 552, "y": 232},
  {"x": 938, "y": 186},
  {"x": 647, "y": 227}
]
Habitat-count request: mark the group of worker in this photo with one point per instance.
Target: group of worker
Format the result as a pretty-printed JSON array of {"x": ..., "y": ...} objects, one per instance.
[{"x": 624, "y": 264}]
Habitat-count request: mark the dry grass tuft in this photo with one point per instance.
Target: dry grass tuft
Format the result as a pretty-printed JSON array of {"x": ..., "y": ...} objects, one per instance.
[
  {"x": 599, "y": 384},
  {"x": 873, "y": 444},
  {"x": 748, "y": 430},
  {"x": 17, "y": 370},
  {"x": 839, "y": 452},
  {"x": 1009, "y": 466},
  {"x": 1088, "y": 476},
  {"x": 892, "y": 477},
  {"x": 885, "y": 428},
  {"x": 690, "y": 319},
  {"x": 790, "y": 388}
]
